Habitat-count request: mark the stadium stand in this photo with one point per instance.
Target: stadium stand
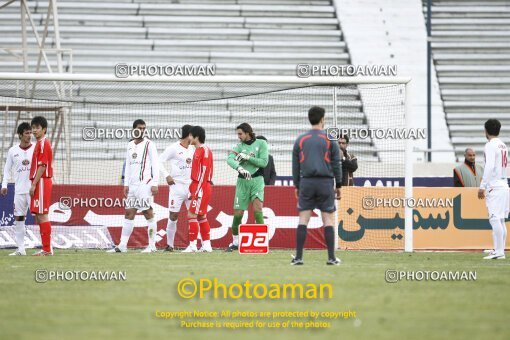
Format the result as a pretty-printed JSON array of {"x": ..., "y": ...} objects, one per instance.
[
  {"x": 239, "y": 37},
  {"x": 471, "y": 52}
]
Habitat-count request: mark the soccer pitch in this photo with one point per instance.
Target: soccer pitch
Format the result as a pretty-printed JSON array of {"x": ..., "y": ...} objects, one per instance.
[{"x": 127, "y": 309}]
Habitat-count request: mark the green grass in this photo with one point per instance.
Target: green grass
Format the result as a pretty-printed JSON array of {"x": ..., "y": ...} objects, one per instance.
[{"x": 405, "y": 310}]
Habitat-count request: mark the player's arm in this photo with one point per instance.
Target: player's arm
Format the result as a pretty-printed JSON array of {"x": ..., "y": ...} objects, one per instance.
[
  {"x": 336, "y": 164},
  {"x": 350, "y": 165},
  {"x": 196, "y": 171},
  {"x": 127, "y": 173},
  {"x": 263, "y": 156},
  {"x": 7, "y": 172},
  {"x": 164, "y": 157},
  {"x": 490, "y": 160},
  {"x": 296, "y": 166},
  {"x": 153, "y": 156},
  {"x": 40, "y": 171},
  {"x": 231, "y": 159}
]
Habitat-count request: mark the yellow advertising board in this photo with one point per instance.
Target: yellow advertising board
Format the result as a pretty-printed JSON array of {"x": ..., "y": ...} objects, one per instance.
[{"x": 443, "y": 219}]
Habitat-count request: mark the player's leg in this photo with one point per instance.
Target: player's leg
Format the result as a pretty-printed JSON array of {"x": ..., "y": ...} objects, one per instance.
[
  {"x": 177, "y": 194},
  {"x": 151, "y": 230},
  {"x": 21, "y": 205},
  {"x": 193, "y": 225},
  {"x": 203, "y": 223},
  {"x": 495, "y": 200},
  {"x": 306, "y": 203},
  {"x": 127, "y": 230},
  {"x": 39, "y": 205},
  {"x": 241, "y": 201},
  {"x": 327, "y": 206},
  {"x": 257, "y": 198}
]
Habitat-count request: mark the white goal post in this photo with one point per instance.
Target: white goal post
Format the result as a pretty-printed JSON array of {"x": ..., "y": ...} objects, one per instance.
[{"x": 22, "y": 78}]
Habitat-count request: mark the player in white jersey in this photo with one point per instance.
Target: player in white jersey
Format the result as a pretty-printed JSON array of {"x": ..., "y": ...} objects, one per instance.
[
  {"x": 494, "y": 187},
  {"x": 18, "y": 162},
  {"x": 180, "y": 155},
  {"x": 140, "y": 186}
]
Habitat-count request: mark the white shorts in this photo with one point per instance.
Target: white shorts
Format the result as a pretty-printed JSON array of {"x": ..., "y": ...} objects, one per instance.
[
  {"x": 21, "y": 204},
  {"x": 177, "y": 194},
  {"x": 498, "y": 202},
  {"x": 139, "y": 197}
]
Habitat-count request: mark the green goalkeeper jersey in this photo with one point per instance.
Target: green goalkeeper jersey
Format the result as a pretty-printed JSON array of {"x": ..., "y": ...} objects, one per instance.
[{"x": 259, "y": 156}]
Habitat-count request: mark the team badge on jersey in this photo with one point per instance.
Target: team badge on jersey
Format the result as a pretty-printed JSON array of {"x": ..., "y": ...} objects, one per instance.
[
  {"x": 25, "y": 162},
  {"x": 134, "y": 155},
  {"x": 188, "y": 160}
]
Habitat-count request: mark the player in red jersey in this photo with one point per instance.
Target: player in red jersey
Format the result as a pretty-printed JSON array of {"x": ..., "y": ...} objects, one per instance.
[
  {"x": 41, "y": 172},
  {"x": 200, "y": 192}
]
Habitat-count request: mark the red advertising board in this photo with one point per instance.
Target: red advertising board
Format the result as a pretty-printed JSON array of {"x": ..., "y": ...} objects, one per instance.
[{"x": 92, "y": 205}]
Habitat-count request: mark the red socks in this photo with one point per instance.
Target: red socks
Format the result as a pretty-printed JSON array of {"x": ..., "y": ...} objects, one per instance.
[
  {"x": 193, "y": 229},
  {"x": 205, "y": 229},
  {"x": 45, "y": 230}
]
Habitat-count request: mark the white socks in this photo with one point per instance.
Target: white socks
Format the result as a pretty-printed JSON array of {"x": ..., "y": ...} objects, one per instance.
[
  {"x": 151, "y": 232},
  {"x": 171, "y": 228},
  {"x": 498, "y": 234},
  {"x": 127, "y": 229},
  {"x": 20, "y": 235},
  {"x": 235, "y": 240}
]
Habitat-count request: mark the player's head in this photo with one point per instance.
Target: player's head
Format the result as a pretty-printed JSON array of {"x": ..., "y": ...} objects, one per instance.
[
  {"x": 139, "y": 128},
  {"x": 343, "y": 142},
  {"x": 39, "y": 125},
  {"x": 197, "y": 134},
  {"x": 24, "y": 132},
  {"x": 245, "y": 132},
  {"x": 492, "y": 127},
  {"x": 185, "y": 132},
  {"x": 316, "y": 116},
  {"x": 470, "y": 155}
]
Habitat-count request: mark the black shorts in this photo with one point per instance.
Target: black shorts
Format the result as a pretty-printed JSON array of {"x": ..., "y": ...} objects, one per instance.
[{"x": 317, "y": 193}]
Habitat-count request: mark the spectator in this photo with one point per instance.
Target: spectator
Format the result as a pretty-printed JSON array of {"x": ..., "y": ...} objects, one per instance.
[
  {"x": 468, "y": 174},
  {"x": 349, "y": 162},
  {"x": 269, "y": 170}
]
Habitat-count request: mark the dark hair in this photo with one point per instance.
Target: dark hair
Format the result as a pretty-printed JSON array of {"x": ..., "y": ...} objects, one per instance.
[
  {"x": 138, "y": 122},
  {"x": 198, "y": 131},
  {"x": 40, "y": 121},
  {"x": 492, "y": 126},
  {"x": 246, "y": 129},
  {"x": 315, "y": 114},
  {"x": 262, "y": 137},
  {"x": 346, "y": 137},
  {"x": 185, "y": 130},
  {"x": 23, "y": 127}
]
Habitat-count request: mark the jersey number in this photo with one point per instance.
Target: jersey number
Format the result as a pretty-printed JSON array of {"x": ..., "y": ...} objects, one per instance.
[{"x": 504, "y": 158}]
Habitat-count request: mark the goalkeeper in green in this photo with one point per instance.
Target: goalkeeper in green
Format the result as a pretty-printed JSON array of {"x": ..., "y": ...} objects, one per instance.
[{"x": 248, "y": 158}]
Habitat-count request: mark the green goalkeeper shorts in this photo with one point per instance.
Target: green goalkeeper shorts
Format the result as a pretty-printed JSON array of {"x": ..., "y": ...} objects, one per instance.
[{"x": 247, "y": 191}]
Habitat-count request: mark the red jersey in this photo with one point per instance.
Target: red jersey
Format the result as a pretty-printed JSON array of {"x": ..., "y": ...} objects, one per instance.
[
  {"x": 201, "y": 169},
  {"x": 42, "y": 156}
]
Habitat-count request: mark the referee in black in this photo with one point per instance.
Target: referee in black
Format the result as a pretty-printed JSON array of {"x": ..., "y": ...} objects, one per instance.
[{"x": 317, "y": 175}]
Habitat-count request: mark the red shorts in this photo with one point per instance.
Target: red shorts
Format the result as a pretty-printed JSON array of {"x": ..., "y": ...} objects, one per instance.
[
  {"x": 199, "y": 204},
  {"x": 40, "y": 202}
]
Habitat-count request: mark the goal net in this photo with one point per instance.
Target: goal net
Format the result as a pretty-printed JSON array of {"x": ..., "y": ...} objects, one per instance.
[{"x": 90, "y": 125}]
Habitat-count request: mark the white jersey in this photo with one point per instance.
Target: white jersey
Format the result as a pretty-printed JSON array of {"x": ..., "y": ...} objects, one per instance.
[
  {"x": 180, "y": 159},
  {"x": 496, "y": 159},
  {"x": 18, "y": 161},
  {"x": 142, "y": 163}
]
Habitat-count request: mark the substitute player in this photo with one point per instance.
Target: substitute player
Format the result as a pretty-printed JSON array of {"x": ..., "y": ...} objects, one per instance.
[
  {"x": 249, "y": 158},
  {"x": 180, "y": 155},
  {"x": 140, "y": 186},
  {"x": 18, "y": 162},
  {"x": 41, "y": 173},
  {"x": 316, "y": 171},
  {"x": 200, "y": 192},
  {"x": 494, "y": 187}
]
